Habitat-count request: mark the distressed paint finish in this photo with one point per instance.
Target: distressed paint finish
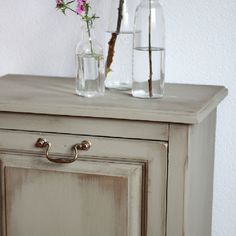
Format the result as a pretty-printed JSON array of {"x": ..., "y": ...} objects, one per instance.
[
  {"x": 85, "y": 126},
  {"x": 182, "y": 103},
  {"x": 151, "y": 155},
  {"x": 178, "y": 143},
  {"x": 88, "y": 201},
  {"x": 190, "y": 178},
  {"x": 149, "y": 171},
  {"x": 44, "y": 203},
  {"x": 199, "y": 177}
]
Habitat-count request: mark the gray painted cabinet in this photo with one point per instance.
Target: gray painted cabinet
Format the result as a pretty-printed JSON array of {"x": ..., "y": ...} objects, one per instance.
[{"x": 137, "y": 167}]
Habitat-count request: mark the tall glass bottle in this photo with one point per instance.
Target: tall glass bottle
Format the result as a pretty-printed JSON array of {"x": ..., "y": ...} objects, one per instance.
[
  {"x": 90, "y": 65},
  {"x": 148, "y": 50},
  {"x": 118, "y": 44}
]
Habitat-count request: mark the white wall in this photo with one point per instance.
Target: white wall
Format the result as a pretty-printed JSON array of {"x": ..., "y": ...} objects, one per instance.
[{"x": 201, "y": 48}]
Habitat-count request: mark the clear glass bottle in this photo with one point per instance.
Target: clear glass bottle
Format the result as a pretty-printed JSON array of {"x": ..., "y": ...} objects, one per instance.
[
  {"x": 118, "y": 44},
  {"x": 149, "y": 50},
  {"x": 89, "y": 65}
]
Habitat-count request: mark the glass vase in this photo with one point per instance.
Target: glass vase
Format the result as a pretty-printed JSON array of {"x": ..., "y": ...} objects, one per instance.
[
  {"x": 149, "y": 50},
  {"x": 89, "y": 65},
  {"x": 118, "y": 44}
]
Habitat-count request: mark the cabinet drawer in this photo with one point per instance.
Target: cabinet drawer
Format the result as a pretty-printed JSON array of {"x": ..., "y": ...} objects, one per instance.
[
  {"x": 85, "y": 126},
  {"x": 150, "y": 155},
  {"x": 62, "y": 144}
]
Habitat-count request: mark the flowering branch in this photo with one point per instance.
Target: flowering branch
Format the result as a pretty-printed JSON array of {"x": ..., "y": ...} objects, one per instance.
[
  {"x": 82, "y": 9},
  {"x": 112, "y": 41}
]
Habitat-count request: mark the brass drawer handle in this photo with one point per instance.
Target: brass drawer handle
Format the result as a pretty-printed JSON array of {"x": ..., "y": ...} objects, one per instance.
[{"x": 83, "y": 146}]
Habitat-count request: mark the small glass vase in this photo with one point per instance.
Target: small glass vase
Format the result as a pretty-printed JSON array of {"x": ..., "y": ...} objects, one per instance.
[
  {"x": 89, "y": 65},
  {"x": 118, "y": 44},
  {"x": 149, "y": 50}
]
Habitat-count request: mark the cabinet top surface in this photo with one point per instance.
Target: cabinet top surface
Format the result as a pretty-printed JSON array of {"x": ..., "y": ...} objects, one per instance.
[{"x": 182, "y": 103}]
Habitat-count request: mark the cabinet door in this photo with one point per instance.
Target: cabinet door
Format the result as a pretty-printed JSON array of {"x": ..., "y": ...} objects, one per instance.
[
  {"x": 85, "y": 198},
  {"x": 93, "y": 186}
]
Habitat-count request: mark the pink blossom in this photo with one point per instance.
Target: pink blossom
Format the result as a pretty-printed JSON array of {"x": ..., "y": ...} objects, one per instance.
[
  {"x": 58, "y": 2},
  {"x": 80, "y": 6},
  {"x": 81, "y": 1}
]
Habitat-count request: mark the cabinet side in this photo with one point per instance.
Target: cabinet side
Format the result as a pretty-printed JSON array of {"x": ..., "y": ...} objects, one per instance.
[
  {"x": 190, "y": 178},
  {"x": 199, "y": 177}
]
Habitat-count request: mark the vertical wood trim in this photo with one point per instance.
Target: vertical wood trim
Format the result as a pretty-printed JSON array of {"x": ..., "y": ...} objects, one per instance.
[
  {"x": 157, "y": 192},
  {"x": 144, "y": 209},
  {"x": 2, "y": 201},
  {"x": 134, "y": 202},
  {"x": 190, "y": 178},
  {"x": 178, "y": 156}
]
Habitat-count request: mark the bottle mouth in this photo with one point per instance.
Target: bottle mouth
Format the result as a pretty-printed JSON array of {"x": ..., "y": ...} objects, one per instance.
[{"x": 121, "y": 31}]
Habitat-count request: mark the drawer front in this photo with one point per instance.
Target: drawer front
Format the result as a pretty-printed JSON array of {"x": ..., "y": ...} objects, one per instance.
[
  {"x": 150, "y": 155},
  {"x": 62, "y": 144},
  {"x": 85, "y": 126}
]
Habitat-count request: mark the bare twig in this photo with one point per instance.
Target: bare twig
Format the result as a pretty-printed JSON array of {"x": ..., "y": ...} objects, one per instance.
[
  {"x": 150, "y": 51},
  {"x": 112, "y": 41}
]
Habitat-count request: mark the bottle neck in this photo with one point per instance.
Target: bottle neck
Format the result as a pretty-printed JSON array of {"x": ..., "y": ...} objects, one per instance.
[
  {"x": 88, "y": 37},
  {"x": 152, "y": 1},
  {"x": 87, "y": 32}
]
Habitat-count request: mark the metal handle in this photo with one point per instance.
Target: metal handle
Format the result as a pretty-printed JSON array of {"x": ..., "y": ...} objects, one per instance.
[{"x": 83, "y": 146}]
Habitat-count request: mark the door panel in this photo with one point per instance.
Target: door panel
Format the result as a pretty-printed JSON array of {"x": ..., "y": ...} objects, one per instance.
[{"x": 89, "y": 201}]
